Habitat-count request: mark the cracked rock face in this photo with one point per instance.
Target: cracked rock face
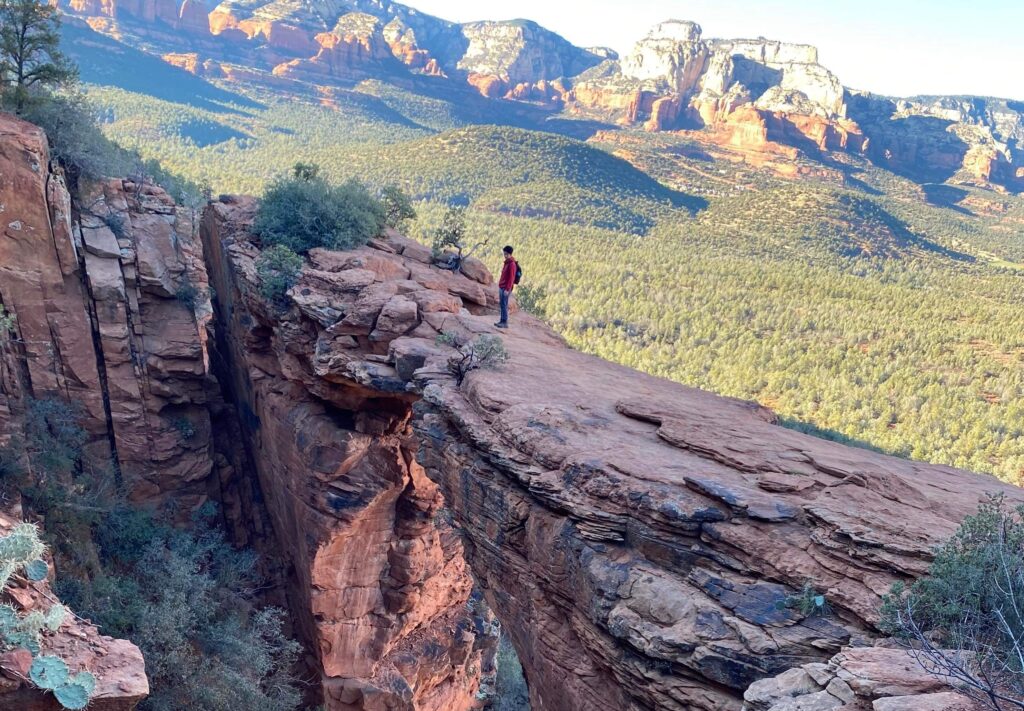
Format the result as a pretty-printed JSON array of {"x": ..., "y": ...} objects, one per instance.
[
  {"x": 379, "y": 587},
  {"x": 640, "y": 541},
  {"x": 875, "y": 678},
  {"x": 111, "y": 305}
]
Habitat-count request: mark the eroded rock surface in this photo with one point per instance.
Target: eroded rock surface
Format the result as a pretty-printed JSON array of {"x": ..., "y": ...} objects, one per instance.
[
  {"x": 641, "y": 541},
  {"x": 380, "y": 587},
  {"x": 110, "y": 303},
  {"x": 857, "y": 679}
]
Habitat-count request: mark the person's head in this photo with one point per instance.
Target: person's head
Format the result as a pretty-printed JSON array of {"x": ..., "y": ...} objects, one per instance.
[{"x": 507, "y": 251}]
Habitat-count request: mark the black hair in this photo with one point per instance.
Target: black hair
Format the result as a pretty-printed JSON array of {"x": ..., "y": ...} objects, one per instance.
[{"x": 508, "y": 249}]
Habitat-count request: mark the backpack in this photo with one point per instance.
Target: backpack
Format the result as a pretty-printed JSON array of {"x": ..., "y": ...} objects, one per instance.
[{"x": 519, "y": 273}]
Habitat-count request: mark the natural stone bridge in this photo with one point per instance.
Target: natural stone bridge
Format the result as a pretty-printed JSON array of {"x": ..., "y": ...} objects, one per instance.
[{"x": 637, "y": 539}]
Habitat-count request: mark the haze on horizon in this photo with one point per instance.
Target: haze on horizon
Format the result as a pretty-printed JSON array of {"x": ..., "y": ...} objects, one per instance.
[{"x": 895, "y": 47}]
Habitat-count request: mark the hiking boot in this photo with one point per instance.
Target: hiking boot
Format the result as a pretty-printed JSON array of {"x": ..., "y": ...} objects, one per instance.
[{"x": 501, "y": 324}]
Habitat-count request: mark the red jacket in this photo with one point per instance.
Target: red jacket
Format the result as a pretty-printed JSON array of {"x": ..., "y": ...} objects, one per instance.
[{"x": 508, "y": 275}]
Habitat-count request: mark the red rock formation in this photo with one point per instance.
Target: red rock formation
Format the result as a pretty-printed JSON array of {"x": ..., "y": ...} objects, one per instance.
[
  {"x": 665, "y": 113},
  {"x": 189, "y": 62},
  {"x": 433, "y": 69},
  {"x": 879, "y": 678},
  {"x": 97, "y": 293},
  {"x": 488, "y": 85},
  {"x": 381, "y": 585},
  {"x": 638, "y": 539},
  {"x": 117, "y": 664}
]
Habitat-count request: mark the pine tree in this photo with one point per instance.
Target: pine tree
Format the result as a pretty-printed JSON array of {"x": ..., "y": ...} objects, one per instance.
[{"x": 30, "y": 57}]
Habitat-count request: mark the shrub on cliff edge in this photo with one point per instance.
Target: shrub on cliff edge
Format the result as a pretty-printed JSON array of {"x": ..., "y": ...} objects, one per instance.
[
  {"x": 964, "y": 621},
  {"x": 303, "y": 211},
  {"x": 278, "y": 268}
]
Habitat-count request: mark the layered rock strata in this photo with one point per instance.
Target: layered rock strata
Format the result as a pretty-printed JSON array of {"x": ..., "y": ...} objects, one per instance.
[
  {"x": 673, "y": 79},
  {"x": 110, "y": 306},
  {"x": 857, "y": 679},
  {"x": 380, "y": 587},
  {"x": 642, "y": 542}
]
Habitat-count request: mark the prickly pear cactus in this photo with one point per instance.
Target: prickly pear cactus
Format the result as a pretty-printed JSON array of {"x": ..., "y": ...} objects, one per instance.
[
  {"x": 48, "y": 672},
  {"x": 75, "y": 693},
  {"x": 21, "y": 552}
]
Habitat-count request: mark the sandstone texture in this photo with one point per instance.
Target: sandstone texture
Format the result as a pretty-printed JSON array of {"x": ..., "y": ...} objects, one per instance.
[
  {"x": 640, "y": 541},
  {"x": 381, "y": 589},
  {"x": 110, "y": 302},
  {"x": 117, "y": 664},
  {"x": 111, "y": 311},
  {"x": 858, "y": 678}
]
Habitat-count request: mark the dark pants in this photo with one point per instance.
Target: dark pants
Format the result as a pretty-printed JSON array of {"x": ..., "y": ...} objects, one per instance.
[{"x": 504, "y": 304}]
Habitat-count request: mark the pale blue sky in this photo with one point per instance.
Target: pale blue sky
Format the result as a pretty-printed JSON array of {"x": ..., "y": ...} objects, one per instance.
[{"x": 899, "y": 47}]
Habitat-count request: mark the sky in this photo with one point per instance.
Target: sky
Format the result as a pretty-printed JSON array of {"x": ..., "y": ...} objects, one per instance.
[{"x": 895, "y": 47}]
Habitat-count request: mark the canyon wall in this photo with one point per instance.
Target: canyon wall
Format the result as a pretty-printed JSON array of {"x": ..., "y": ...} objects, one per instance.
[
  {"x": 75, "y": 337},
  {"x": 640, "y": 541},
  {"x": 111, "y": 312},
  {"x": 110, "y": 305},
  {"x": 380, "y": 585}
]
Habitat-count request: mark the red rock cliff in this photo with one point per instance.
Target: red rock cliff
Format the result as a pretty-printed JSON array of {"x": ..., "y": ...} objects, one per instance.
[
  {"x": 380, "y": 588},
  {"x": 64, "y": 325},
  {"x": 638, "y": 539},
  {"x": 110, "y": 302}
]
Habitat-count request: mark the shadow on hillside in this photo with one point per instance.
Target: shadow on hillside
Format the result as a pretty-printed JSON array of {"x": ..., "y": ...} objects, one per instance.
[
  {"x": 106, "y": 62},
  {"x": 834, "y": 436},
  {"x": 209, "y": 133},
  {"x": 850, "y": 176},
  {"x": 580, "y": 129},
  {"x": 905, "y": 236},
  {"x": 946, "y": 196},
  {"x": 468, "y": 107},
  {"x": 691, "y": 152}
]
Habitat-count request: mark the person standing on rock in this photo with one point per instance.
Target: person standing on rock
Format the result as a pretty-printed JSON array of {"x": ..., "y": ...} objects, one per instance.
[{"x": 507, "y": 282}]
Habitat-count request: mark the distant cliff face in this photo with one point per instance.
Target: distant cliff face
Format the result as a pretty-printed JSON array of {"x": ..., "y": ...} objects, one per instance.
[{"x": 751, "y": 96}]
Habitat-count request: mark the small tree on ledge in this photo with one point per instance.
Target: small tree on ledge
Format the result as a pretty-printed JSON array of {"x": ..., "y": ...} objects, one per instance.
[
  {"x": 398, "y": 209},
  {"x": 483, "y": 353},
  {"x": 452, "y": 235}
]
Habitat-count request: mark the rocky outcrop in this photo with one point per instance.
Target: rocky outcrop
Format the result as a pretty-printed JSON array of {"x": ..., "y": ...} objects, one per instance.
[
  {"x": 858, "y": 678},
  {"x": 110, "y": 302},
  {"x": 673, "y": 78},
  {"x": 380, "y": 587},
  {"x": 116, "y": 664},
  {"x": 641, "y": 542},
  {"x": 672, "y": 57},
  {"x": 967, "y": 139},
  {"x": 520, "y": 51}
]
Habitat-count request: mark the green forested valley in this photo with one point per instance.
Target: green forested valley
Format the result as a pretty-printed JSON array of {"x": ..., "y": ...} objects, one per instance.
[{"x": 869, "y": 308}]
